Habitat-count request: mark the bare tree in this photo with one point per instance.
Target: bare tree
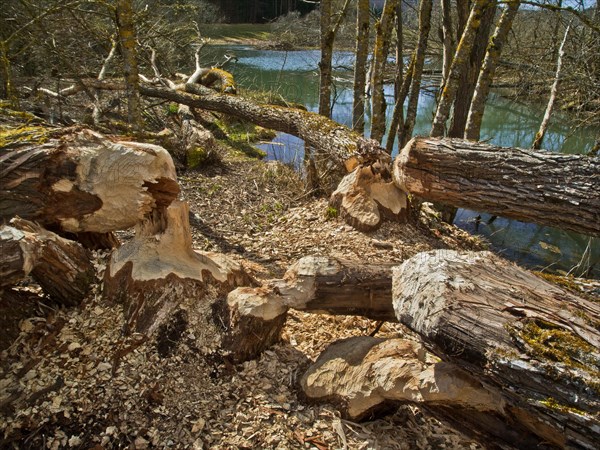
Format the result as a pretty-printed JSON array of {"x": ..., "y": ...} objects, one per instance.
[
  {"x": 127, "y": 38},
  {"x": 488, "y": 70},
  {"x": 360, "y": 65},
  {"x": 380, "y": 55}
]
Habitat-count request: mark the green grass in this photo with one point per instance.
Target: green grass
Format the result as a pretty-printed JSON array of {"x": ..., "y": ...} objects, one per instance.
[{"x": 237, "y": 32}]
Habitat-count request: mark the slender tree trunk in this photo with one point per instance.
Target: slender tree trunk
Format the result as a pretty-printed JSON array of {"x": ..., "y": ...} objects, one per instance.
[
  {"x": 466, "y": 86},
  {"x": 9, "y": 91},
  {"x": 360, "y": 65},
  {"x": 539, "y": 137},
  {"x": 327, "y": 38},
  {"x": 127, "y": 37},
  {"x": 459, "y": 65},
  {"x": 488, "y": 70},
  {"x": 399, "y": 91},
  {"x": 419, "y": 57},
  {"x": 380, "y": 54},
  {"x": 449, "y": 41}
]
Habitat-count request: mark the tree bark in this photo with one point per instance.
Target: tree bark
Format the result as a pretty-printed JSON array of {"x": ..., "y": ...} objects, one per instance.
[
  {"x": 458, "y": 67},
  {"x": 532, "y": 186},
  {"x": 468, "y": 78},
  {"x": 360, "y": 65},
  {"x": 341, "y": 145},
  {"x": 539, "y": 136},
  {"x": 328, "y": 285},
  {"x": 488, "y": 70},
  {"x": 127, "y": 37},
  {"x": 83, "y": 182},
  {"x": 325, "y": 76},
  {"x": 425, "y": 7},
  {"x": 448, "y": 39},
  {"x": 399, "y": 94},
  {"x": 534, "y": 342},
  {"x": 380, "y": 55},
  {"x": 61, "y": 267}
]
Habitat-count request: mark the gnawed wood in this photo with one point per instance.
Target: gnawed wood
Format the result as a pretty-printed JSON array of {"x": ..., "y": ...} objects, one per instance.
[
  {"x": 364, "y": 373},
  {"x": 61, "y": 267},
  {"x": 533, "y": 186},
  {"x": 535, "y": 342},
  {"x": 83, "y": 182},
  {"x": 325, "y": 285},
  {"x": 364, "y": 198},
  {"x": 168, "y": 289}
]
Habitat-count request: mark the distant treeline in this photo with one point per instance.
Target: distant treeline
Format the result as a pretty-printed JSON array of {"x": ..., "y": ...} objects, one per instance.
[{"x": 259, "y": 11}]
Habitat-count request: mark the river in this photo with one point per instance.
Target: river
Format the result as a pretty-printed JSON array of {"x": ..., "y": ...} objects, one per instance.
[{"x": 294, "y": 75}]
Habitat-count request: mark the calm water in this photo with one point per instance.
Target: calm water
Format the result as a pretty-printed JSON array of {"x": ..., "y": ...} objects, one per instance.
[{"x": 294, "y": 76}]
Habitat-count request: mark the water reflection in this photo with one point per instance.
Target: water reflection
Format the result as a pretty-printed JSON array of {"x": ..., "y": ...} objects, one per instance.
[{"x": 294, "y": 75}]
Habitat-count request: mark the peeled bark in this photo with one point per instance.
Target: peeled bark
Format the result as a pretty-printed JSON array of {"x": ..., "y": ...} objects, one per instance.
[
  {"x": 532, "y": 341},
  {"x": 488, "y": 70},
  {"x": 326, "y": 285},
  {"x": 364, "y": 198},
  {"x": 83, "y": 182},
  {"x": 61, "y": 267},
  {"x": 532, "y": 186}
]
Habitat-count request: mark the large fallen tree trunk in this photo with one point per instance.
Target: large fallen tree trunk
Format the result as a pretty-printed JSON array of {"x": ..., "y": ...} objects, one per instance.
[
  {"x": 170, "y": 291},
  {"x": 533, "y": 186},
  {"x": 534, "y": 342},
  {"x": 326, "y": 285},
  {"x": 61, "y": 267},
  {"x": 338, "y": 142},
  {"x": 83, "y": 182}
]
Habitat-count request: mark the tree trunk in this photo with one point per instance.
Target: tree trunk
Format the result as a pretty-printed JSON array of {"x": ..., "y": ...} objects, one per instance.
[
  {"x": 448, "y": 40},
  {"x": 539, "y": 136},
  {"x": 127, "y": 37},
  {"x": 399, "y": 93},
  {"x": 488, "y": 70},
  {"x": 341, "y": 145},
  {"x": 61, "y": 267},
  {"x": 458, "y": 67},
  {"x": 532, "y": 341},
  {"x": 168, "y": 290},
  {"x": 83, "y": 182},
  {"x": 380, "y": 55},
  {"x": 425, "y": 7},
  {"x": 325, "y": 77},
  {"x": 542, "y": 187},
  {"x": 322, "y": 284},
  {"x": 360, "y": 65},
  {"x": 468, "y": 79}
]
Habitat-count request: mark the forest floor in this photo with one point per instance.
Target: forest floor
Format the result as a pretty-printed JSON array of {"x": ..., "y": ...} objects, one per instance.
[{"x": 71, "y": 379}]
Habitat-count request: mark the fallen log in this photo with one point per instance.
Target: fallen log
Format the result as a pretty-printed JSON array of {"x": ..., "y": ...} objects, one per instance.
[
  {"x": 169, "y": 291},
  {"x": 83, "y": 182},
  {"x": 532, "y": 186},
  {"x": 342, "y": 145},
  {"x": 61, "y": 267},
  {"x": 326, "y": 285},
  {"x": 533, "y": 341}
]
